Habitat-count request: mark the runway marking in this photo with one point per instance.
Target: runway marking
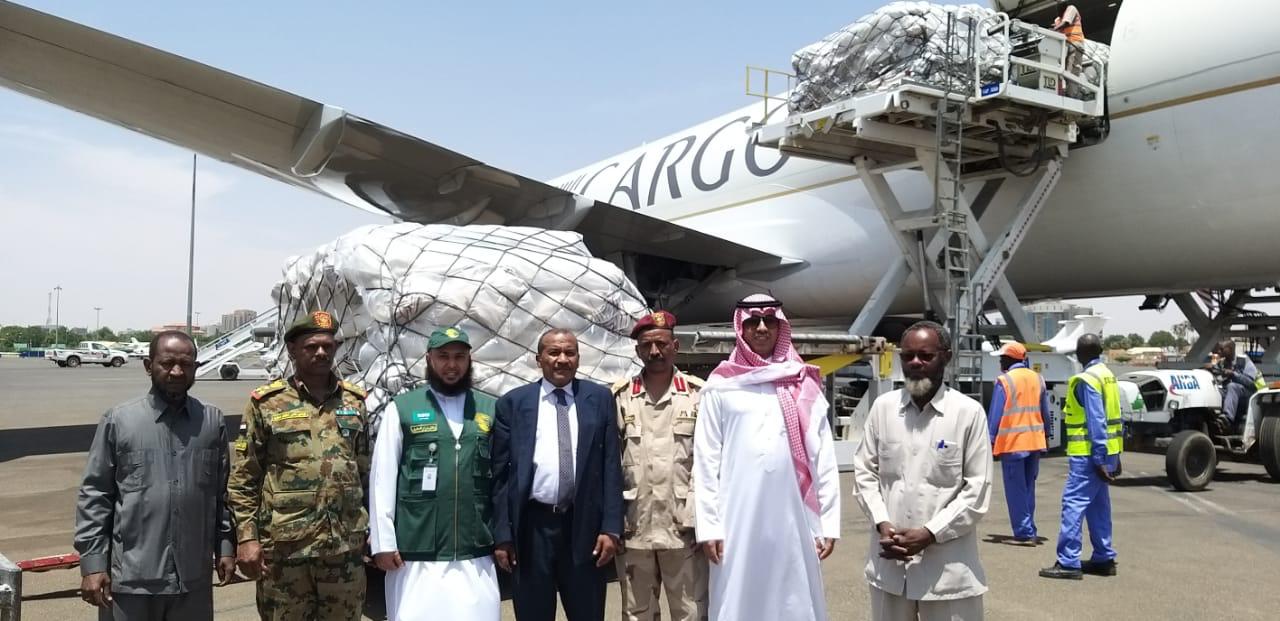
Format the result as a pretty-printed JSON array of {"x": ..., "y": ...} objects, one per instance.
[
  {"x": 1213, "y": 505},
  {"x": 1178, "y": 497}
]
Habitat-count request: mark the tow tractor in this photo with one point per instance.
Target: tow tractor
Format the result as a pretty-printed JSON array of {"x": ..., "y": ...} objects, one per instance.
[{"x": 1176, "y": 410}]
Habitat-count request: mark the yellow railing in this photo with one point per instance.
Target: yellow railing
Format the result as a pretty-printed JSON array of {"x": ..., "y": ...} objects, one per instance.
[{"x": 766, "y": 92}]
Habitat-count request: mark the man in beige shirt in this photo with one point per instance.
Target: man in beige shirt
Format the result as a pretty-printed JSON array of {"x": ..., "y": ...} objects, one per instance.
[
  {"x": 657, "y": 411},
  {"x": 923, "y": 476}
]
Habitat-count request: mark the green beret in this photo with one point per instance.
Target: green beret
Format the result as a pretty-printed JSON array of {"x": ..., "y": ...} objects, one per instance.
[
  {"x": 444, "y": 336},
  {"x": 318, "y": 321}
]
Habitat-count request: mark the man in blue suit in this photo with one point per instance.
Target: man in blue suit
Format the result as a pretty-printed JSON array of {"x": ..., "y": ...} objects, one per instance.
[{"x": 557, "y": 488}]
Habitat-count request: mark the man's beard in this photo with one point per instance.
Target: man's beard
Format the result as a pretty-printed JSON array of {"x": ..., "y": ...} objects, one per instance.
[
  {"x": 919, "y": 388},
  {"x": 438, "y": 384}
]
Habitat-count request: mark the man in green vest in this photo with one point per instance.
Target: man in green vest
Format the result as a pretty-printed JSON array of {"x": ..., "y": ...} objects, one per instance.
[
  {"x": 431, "y": 506},
  {"x": 1092, "y": 420}
]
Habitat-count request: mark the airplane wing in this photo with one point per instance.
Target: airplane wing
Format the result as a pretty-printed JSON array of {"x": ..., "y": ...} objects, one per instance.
[{"x": 316, "y": 146}]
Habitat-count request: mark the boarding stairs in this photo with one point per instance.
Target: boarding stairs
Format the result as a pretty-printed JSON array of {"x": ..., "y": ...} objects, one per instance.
[{"x": 234, "y": 344}]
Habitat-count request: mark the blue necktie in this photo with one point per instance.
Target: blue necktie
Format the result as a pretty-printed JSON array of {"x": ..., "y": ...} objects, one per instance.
[{"x": 565, "y": 497}]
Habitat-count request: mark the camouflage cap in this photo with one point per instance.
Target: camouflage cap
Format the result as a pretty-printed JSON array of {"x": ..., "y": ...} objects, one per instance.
[
  {"x": 444, "y": 336},
  {"x": 319, "y": 321}
]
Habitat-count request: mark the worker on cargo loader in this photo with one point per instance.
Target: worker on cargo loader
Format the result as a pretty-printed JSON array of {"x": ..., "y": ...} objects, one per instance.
[
  {"x": 1240, "y": 379},
  {"x": 1069, "y": 24},
  {"x": 1016, "y": 422}
]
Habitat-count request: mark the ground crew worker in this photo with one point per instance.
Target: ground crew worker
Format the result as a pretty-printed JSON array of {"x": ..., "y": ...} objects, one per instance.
[
  {"x": 432, "y": 459},
  {"x": 1070, "y": 26},
  {"x": 298, "y": 487},
  {"x": 657, "y": 410},
  {"x": 1092, "y": 417},
  {"x": 1240, "y": 379},
  {"x": 1016, "y": 422}
]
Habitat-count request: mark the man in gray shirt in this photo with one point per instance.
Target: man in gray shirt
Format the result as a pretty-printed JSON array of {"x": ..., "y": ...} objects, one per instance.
[{"x": 152, "y": 511}]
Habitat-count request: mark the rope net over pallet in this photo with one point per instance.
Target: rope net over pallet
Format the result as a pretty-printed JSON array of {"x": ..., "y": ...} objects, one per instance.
[
  {"x": 389, "y": 286},
  {"x": 907, "y": 42}
]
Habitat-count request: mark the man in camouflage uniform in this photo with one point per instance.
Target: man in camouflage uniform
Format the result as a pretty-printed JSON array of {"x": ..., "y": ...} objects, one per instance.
[
  {"x": 299, "y": 485},
  {"x": 656, "y": 414}
]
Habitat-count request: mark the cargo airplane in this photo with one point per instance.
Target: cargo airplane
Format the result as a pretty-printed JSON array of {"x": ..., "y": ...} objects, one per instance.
[{"x": 1180, "y": 196}]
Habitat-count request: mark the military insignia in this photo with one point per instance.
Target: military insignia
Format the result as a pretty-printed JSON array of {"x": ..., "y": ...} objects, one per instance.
[
  {"x": 680, "y": 384},
  {"x": 482, "y": 423},
  {"x": 628, "y": 419},
  {"x": 355, "y": 390},
  {"x": 346, "y": 433},
  {"x": 424, "y": 416},
  {"x": 686, "y": 415},
  {"x": 347, "y": 412},
  {"x": 322, "y": 320},
  {"x": 290, "y": 415},
  {"x": 431, "y": 428},
  {"x": 659, "y": 320},
  {"x": 637, "y": 385},
  {"x": 241, "y": 445}
]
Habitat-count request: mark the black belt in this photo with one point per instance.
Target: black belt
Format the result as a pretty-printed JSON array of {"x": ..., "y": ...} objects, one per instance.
[{"x": 553, "y": 509}]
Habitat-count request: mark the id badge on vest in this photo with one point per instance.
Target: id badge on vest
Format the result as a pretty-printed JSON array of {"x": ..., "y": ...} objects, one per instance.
[{"x": 429, "y": 474}]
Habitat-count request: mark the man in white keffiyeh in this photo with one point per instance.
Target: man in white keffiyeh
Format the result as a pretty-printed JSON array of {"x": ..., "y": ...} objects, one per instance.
[{"x": 765, "y": 477}]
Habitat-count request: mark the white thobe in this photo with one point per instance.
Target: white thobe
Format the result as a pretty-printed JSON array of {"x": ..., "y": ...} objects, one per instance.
[
  {"x": 747, "y": 496},
  {"x": 422, "y": 590},
  {"x": 930, "y": 469}
]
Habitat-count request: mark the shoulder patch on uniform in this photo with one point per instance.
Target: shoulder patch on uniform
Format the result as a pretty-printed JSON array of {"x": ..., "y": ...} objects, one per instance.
[
  {"x": 355, "y": 390},
  {"x": 694, "y": 381},
  {"x": 678, "y": 382},
  {"x": 263, "y": 392},
  {"x": 619, "y": 386}
]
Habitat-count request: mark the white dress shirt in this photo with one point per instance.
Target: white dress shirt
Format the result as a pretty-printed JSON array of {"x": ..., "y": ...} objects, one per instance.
[
  {"x": 930, "y": 469},
  {"x": 546, "y": 444},
  {"x": 454, "y": 410}
]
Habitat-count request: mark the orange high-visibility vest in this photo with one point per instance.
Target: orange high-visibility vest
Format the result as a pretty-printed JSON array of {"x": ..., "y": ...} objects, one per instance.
[
  {"x": 1074, "y": 31},
  {"x": 1022, "y": 424}
]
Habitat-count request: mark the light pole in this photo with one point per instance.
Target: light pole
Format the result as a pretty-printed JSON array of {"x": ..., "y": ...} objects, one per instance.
[
  {"x": 98, "y": 318},
  {"x": 57, "y": 316},
  {"x": 191, "y": 260}
]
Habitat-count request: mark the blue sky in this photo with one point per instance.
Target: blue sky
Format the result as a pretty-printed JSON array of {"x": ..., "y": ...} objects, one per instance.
[{"x": 538, "y": 88}]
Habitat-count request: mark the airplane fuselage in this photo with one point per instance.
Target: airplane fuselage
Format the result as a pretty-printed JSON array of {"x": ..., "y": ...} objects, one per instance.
[{"x": 1180, "y": 196}]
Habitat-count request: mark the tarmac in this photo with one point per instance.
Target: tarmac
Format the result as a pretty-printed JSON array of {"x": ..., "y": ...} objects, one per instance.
[{"x": 1205, "y": 555}]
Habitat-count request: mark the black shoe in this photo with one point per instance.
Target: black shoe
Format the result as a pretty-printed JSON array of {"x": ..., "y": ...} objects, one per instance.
[
  {"x": 1061, "y": 573},
  {"x": 1095, "y": 568}
]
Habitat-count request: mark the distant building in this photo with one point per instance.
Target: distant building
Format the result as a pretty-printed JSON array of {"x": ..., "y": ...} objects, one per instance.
[
  {"x": 180, "y": 326},
  {"x": 235, "y": 319},
  {"x": 1044, "y": 317}
]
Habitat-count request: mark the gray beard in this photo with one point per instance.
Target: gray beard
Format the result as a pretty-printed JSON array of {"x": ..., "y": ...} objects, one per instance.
[{"x": 919, "y": 388}]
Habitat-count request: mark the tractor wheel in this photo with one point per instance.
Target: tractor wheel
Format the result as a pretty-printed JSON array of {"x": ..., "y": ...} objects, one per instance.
[
  {"x": 1269, "y": 446},
  {"x": 1190, "y": 461}
]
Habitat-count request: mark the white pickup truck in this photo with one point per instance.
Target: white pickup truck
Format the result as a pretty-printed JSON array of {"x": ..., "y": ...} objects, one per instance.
[{"x": 88, "y": 352}]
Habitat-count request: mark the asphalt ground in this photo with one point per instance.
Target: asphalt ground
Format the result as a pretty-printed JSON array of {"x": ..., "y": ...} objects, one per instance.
[{"x": 1208, "y": 555}]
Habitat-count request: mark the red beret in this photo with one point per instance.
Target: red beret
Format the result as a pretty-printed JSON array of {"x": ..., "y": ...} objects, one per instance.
[{"x": 656, "y": 319}]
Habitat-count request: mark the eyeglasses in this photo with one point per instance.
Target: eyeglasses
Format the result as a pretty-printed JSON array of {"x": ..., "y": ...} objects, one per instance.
[{"x": 923, "y": 356}]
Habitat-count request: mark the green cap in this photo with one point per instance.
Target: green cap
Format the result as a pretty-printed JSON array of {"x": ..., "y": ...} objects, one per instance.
[
  {"x": 318, "y": 321},
  {"x": 444, "y": 336}
]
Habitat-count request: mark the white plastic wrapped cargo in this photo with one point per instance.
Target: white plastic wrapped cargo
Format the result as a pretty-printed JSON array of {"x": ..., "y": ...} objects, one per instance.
[
  {"x": 389, "y": 286},
  {"x": 903, "y": 42}
]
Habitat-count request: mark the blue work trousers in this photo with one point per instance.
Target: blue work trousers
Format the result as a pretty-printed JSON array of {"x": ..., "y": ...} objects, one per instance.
[
  {"x": 1020, "y": 492},
  {"x": 1086, "y": 497}
]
